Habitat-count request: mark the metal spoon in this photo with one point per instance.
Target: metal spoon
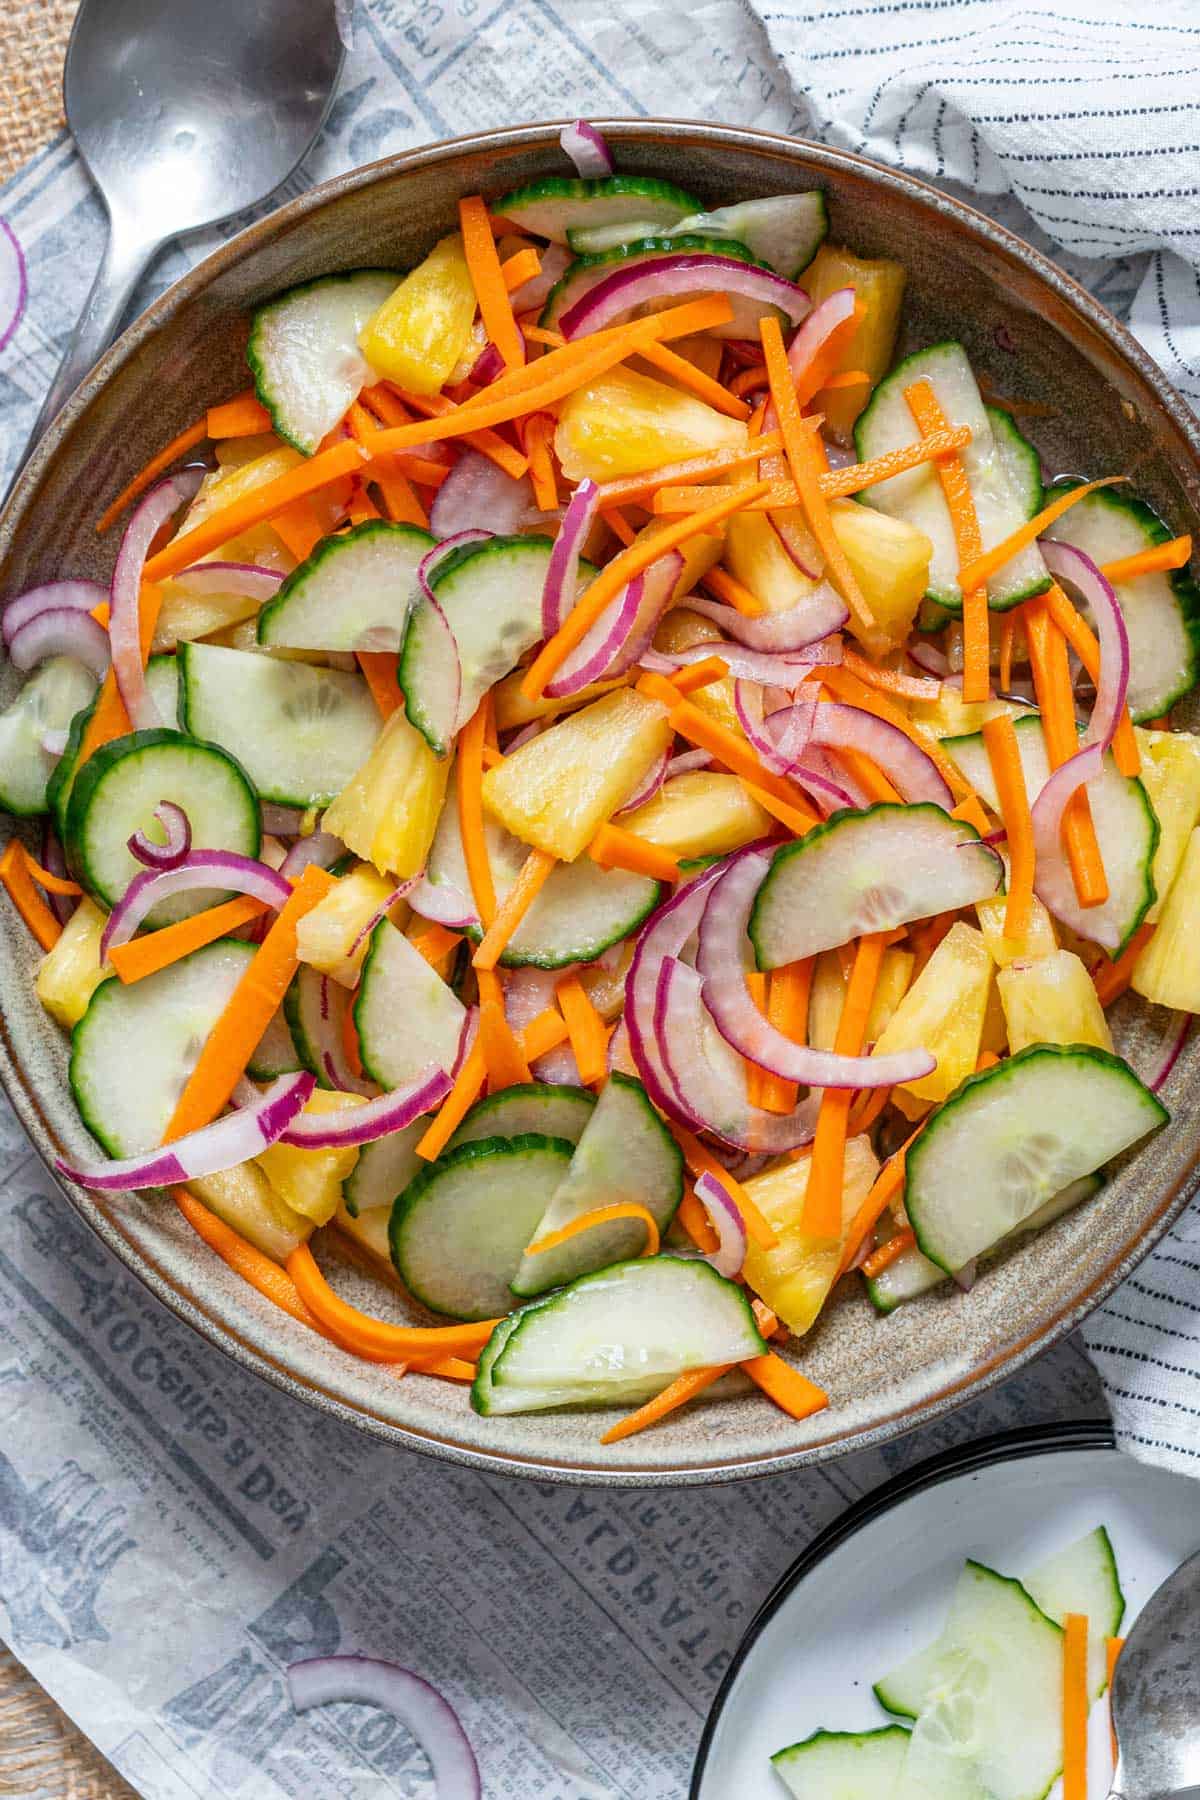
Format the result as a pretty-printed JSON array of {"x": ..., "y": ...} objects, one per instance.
[
  {"x": 185, "y": 112},
  {"x": 1156, "y": 1695}
]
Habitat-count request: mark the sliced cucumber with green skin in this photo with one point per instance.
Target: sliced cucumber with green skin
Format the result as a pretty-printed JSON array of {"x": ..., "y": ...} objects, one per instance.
[
  {"x": 275, "y": 1053},
  {"x": 54, "y": 695},
  {"x": 307, "y": 996},
  {"x": 843, "y": 1765},
  {"x": 1083, "y": 1579},
  {"x": 587, "y": 272},
  {"x": 916, "y": 496},
  {"x": 1008, "y": 1139},
  {"x": 353, "y": 593},
  {"x": 542, "y": 1107},
  {"x": 557, "y": 205},
  {"x": 135, "y": 1046},
  {"x": 405, "y": 1014},
  {"x": 384, "y": 1169},
  {"x": 1125, "y": 822},
  {"x": 868, "y": 871},
  {"x": 304, "y": 356},
  {"x": 62, "y": 778},
  {"x": 1022, "y": 464},
  {"x": 116, "y": 792},
  {"x": 459, "y": 1229},
  {"x": 625, "y": 1153},
  {"x": 485, "y": 1398},
  {"x": 300, "y": 732},
  {"x": 784, "y": 230},
  {"x": 1161, "y": 612},
  {"x": 162, "y": 684}
]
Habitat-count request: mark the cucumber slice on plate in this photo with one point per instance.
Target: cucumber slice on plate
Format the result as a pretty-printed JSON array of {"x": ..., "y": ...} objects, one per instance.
[
  {"x": 784, "y": 230},
  {"x": 55, "y": 695},
  {"x": 868, "y": 871},
  {"x": 1020, "y": 460},
  {"x": 485, "y": 1399},
  {"x": 405, "y": 1014},
  {"x": 353, "y": 593},
  {"x": 587, "y": 272},
  {"x": 310, "y": 996},
  {"x": 383, "y": 1170},
  {"x": 541, "y": 1107},
  {"x": 116, "y": 792},
  {"x": 559, "y": 204},
  {"x": 1010, "y": 1138},
  {"x": 300, "y": 732},
  {"x": 304, "y": 356},
  {"x": 275, "y": 1053},
  {"x": 1161, "y": 612},
  {"x": 1083, "y": 1579},
  {"x": 843, "y": 1765},
  {"x": 459, "y": 1229},
  {"x": 162, "y": 684},
  {"x": 1001, "y": 497},
  {"x": 625, "y": 1153}
]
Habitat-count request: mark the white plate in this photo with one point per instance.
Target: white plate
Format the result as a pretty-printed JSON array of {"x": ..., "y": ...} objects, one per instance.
[{"x": 877, "y": 1586}]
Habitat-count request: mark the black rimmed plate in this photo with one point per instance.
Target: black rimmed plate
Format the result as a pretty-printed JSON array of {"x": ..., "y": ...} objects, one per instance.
[{"x": 875, "y": 1586}]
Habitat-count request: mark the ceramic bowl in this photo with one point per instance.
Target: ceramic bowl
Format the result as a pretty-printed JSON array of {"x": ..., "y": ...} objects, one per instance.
[{"x": 968, "y": 279}]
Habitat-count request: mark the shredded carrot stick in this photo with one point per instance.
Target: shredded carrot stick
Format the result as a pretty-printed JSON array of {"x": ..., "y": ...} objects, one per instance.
[
  {"x": 1008, "y": 632},
  {"x": 750, "y": 381},
  {"x": 684, "y": 1388},
  {"x": 244, "y": 1259},
  {"x": 889, "y": 681},
  {"x": 1113, "y": 1647},
  {"x": 886, "y": 1185},
  {"x": 1000, "y": 742},
  {"x": 618, "y": 524},
  {"x": 491, "y": 290},
  {"x": 822, "y": 370},
  {"x": 398, "y": 493},
  {"x": 250, "y": 1009},
  {"x": 832, "y": 484},
  {"x": 506, "y": 1064},
  {"x": 690, "y": 469},
  {"x": 519, "y": 268},
  {"x": 669, "y": 362},
  {"x": 888, "y": 1253},
  {"x": 615, "y": 848},
  {"x": 435, "y": 943},
  {"x": 587, "y": 1030},
  {"x": 847, "y": 686},
  {"x": 972, "y": 811},
  {"x": 454, "y": 1108},
  {"x": 847, "y": 378},
  {"x": 374, "y": 1336},
  {"x": 379, "y": 672},
  {"x": 538, "y": 433},
  {"x": 867, "y": 1108},
  {"x": 757, "y": 1078},
  {"x": 695, "y": 1221},
  {"x": 156, "y": 950},
  {"x": 440, "y": 417},
  {"x": 187, "y": 440},
  {"x": 792, "y": 1392},
  {"x": 1112, "y": 979},
  {"x": 300, "y": 526},
  {"x": 18, "y": 883},
  {"x": 822, "y": 1215},
  {"x": 700, "y": 675},
  {"x": 989, "y": 562},
  {"x": 1075, "y": 1706},
  {"x": 362, "y": 508},
  {"x": 600, "y": 1215},
  {"x": 737, "y": 756},
  {"x": 926, "y": 409},
  {"x": 51, "y": 884},
  {"x": 536, "y": 870},
  {"x": 1052, "y": 684},
  {"x": 1173, "y": 555},
  {"x": 1083, "y": 642},
  {"x": 243, "y": 416},
  {"x": 724, "y": 586},
  {"x": 544, "y": 1032},
  {"x": 470, "y": 811},
  {"x": 701, "y": 1161},
  {"x": 867, "y": 773},
  {"x": 787, "y": 1009}
]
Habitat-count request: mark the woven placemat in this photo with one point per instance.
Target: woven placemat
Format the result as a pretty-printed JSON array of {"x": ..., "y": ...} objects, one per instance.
[{"x": 33, "y": 36}]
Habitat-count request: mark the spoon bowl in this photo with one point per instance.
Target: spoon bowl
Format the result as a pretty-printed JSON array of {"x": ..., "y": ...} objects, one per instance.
[{"x": 1156, "y": 1694}]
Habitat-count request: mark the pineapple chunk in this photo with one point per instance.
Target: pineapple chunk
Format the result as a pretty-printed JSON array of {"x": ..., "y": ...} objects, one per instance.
[
  {"x": 233, "y": 482},
  {"x": 605, "y": 987},
  {"x": 557, "y": 790},
  {"x": 232, "y": 453},
  {"x": 879, "y": 284},
  {"x": 943, "y": 1012},
  {"x": 248, "y": 1204},
  {"x": 326, "y": 936},
  {"x": 422, "y": 328},
  {"x": 1171, "y": 777},
  {"x": 700, "y": 553},
  {"x": 891, "y": 566},
  {"x": 513, "y": 709},
  {"x": 622, "y": 424},
  {"x": 310, "y": 1181},
  {"x": 828, "y": 995},
  {"x": 755, "y": 556},
  {"x": 700, "y": 814},
  {"x": 795, "y": 1277},
  {"x": 388, "y": 812},
  {"x": 369, "y": 1233},
  {"x": 895, "y": 978},
  {"x": 1168, "y": 970},
  {"x": 994, "y": 1036},
  {"x": 1038, "y": 940},
  {"x": 1052, "y": 1001},
  {"x": 682, "y": 629},
  {"x": 185, "y": 616},
  {"x": 951, "y": 716},
  {"x": 69, "y": 974}
]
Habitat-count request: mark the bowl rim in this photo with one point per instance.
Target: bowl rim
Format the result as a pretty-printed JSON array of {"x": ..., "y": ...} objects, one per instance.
[{"x": 105, "y": 1220}]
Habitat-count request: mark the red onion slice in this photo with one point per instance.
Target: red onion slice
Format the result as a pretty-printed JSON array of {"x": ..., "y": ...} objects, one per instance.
[
  {"x": 328, "y": 1032},
  {"x": 52, "y": 596},
  {"x": 1053, "y": 882},
  {"x": 231, "y": 1140},
  {"x": 799, "y": 627},
  {"x": 562, "y": 571},
  {"x": 817, "y": 329},
  {"x": 178, "y": 828},
  {"x": 124, "y": 630},
  {"x": 487, "y": 366},
  {"x": 840, "y": 727},
  {"x": 721, "y": 964},
  {"x": 648, "y": 786},
  {"x": 476, "y": 495},
  {"x": 1068, "y": 564},
  {"x": 782, "y": 744},
  {"x": 1174, "y": 1051},
  {"x": 930, "y": 658},
  {"x": 319, "y": 847},
  {"x": 202, "y": 869},
  {"x": 663, "y": 280},
  {"x": 250, "y": 579},
  {"x": 727, "y": 1222},
  {"x": 61, "y": 631},
  {"x": 420, "y": 1708},
  {"x": 748, "y": 665},
  {"x": 61, "y": 905},
  {"x": 830, "y": 795},
  {"x": 664, "y": 934},
  {"x": 400, "y": 892},
  {"x": 14, "y": 283},
  {"x": 587, "y": 150},
  {"x": 536, "y": 291},
  {"x": 621, "y": 635},
  {"x": 379, "y": 1118}
]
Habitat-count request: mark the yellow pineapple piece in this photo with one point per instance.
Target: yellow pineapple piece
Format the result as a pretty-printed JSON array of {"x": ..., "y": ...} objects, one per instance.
[
  {"x": 310, "y": 1181},
  {"x": 1170, "y": 774},
  {"x": 623, "y": 423},
  {"x": 879, "y": 284},
  {"x": 1168, "y": 970},
  {"x": 890, "y": 560},
  {"x": 232, "y": 453},
  {"x": 369, "y": 1233},
  {"x": 700, "y": 553},
  {"x": 605, "y": 988},
  {"x": 795, "y": 1277},
  {"x": 994, "y": 1036},
  {"x": 513, "y": 709},
  {"x": 233, "y": 482},
  {"x": 185, "y": 616},
  {"x": 422, "y": 328},
  {"x": 557, "y": 790},
  {"x": 951, "y": 716},
  {"x": 895, "y": 979},
  {"x": 1052, "y": 1001},
  {"x": 1037, "y": 940},
  {"x": 387, "y": 814},
  {"x": 681, "y": 629},
  {"x": 69, "y": 974},
  {"x": 827, "y": 995},
  {"x": 327, "y": 936},
  {"x": 248, "y": 1204},
  {"x": 943, "y": 1012},
  {"x": 702, "y": 813},
  {"x": 755, "y": 556}
]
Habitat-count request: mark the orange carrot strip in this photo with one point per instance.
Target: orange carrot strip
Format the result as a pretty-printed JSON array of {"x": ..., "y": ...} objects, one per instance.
[
  {"x": 867, "y": 1107},
  {"x": 1083, "y": 642},
  {"x": 506, "y": 1064},
  {"x": 846, "y": 685},
  {"x": 1075, "y": 1706},
  {"x": 18, "y": 882},
  {"x": 440, "y": 418},
  {"x": 724, "y": 586},
  {"x": 792, "y": 1392},
  {"x": 887, "y": 1184},
  {"x": 243, "y": 416},
  {"x": 1174, "y": 555},
  {"x": 669, "y": 362},
  {"x": 360, "y": 1331},
  {"x": 491, "y": 291},
  {"x": 684, "y": 1388},
  {"x": 52, "y": 884},
  {"x": 536, "y": 870},
  {"x": 470, "y": 811},
  {"x": 1113, "y": 1647},
  {"x": 519, "y": 268},
  {"x": 538, "y": 434},
  {"x": 300, "y": 526},
  {"x": 887, "y": 1254},
  {"x": 690, "y": 469},
  {"x": 1112, "y": 978},
  {"x": 822, "y": 370},
  {"x": 379, "y": 672},
  {"x": 787, "y": 1009},
  {"x": 989, "y": 562},
  {"x": 156, "y": 950},
  {"x": 700, "y": 675},
  {"x": 757, "y": 1078},
  {"x": 823, "y": 1198},
  {"x": 187, "y": 440},
  {"x": 695, "y": 1221},
  {"x": 250, "y": 1009},
  {"x": 869, "y": 776},
  {"x": 976, "y": 677},
  {"x": 1052, "y": 684},
  {"x": 701, "y": 1161},
  {"x": 1008, "y": 632},
  {"x": 1000, "y": 742},
  {"x": 587, "y": 1030},
  {"x": 750, "y": 381},
  {"x": 435, "y": 942},
  {"x": 972, "y": 811},
  {"x": 847, "y": 378},
  {"x": 834, "y": 484},
  {"x": 619, "y": 525},
  {"x": 544, "y": 1032},
  {"x": 398, "y": 494},
  {"x": 889, "y": 681},
  {"x": 244, "y": 1259},
  {"x": 615, "y": 848},
  {"x": 362, "y": 508},
  {"x": 454, "y": 1108},
  {"x": 600, "y": 1215},
  {"x": 738, "y": 757}
]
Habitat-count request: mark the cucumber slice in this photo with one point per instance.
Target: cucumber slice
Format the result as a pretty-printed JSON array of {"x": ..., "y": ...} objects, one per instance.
[
  {"x": 587, "y": 272},
  {"x": 116, "y": 792},
  {"x": 304, "y": 356},
  {"x": 485, "y": 1399},
  {"x": 843, "y": 1765},
  {"x": 353, "y": 593},
  {"x": 558, "y": 204},
  {"x": 62, "y": 777},
  {"x": 405, "y": 1014},
  {"x": 868, "y": 871},
  {"x": 134, "y": 1048},
  {"x": 300, "y": 732},
  {"x": 162, "y": 684},
  {"x": 1022, "y": 464},
  {"x": 1126, "y": 827},
  {"x": 784, "y": 230},
  {"x": 1161, "y": 612},
  {"x": 1011, "y": 1137},
  {"x": 1083, "y": 1579},
  {"x": 458, "y": 1230},
  {"x": 625, "y": 1153},
  {"x": 384, "y": 1169},
  {"x": 303, "y": 1005},
  {"x": 275, "y": 1053},
  {"x": 916, "y": 496},
  {"x": 50, "y": 700},
  {"x": 540, "y": 1107}
]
